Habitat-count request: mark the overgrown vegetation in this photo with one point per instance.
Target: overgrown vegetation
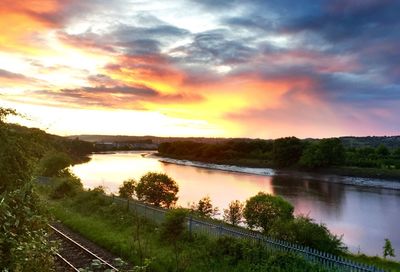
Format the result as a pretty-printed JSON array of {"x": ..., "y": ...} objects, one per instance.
[
  {"x": 24, "y": 243},
  {"x": 168, "y": 247}
]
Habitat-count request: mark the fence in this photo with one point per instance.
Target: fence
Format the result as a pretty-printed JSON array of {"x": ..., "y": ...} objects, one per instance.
[{"x": 196, "y": 225}]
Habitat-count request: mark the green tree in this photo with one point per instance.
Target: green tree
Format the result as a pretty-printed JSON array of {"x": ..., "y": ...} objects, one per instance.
[
  {"x": 326, "y": 152},
  {"x": 382, "y": 151},
  {"x": 286, "y": 151},
  {"x": 263, "y": 210},
  {"x": 234, "y": 213},
  {"x": 127, "y": 189},
  {"x": 157, "y": 189},
  {"x": 388, "y": 249},
  {"x": 54, "y": 164},
  {"x": 204, "y": 207}
]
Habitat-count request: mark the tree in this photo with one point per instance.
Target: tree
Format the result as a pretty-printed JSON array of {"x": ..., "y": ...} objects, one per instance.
[
  {"x": 234, "y": 213},
  {"x": 204, "y": 207},
  {"x": 324, "y": 153},
  {"x": 388, "y": 249},
  {"x": 53, "y": 165},
  {"x": 286, "y": 151},
  {"x": 127, "y": 189},
  {"x": 382, "y": 150},
  {"x": 157, "y": 189},
  {"x": 263, "y": 210}
]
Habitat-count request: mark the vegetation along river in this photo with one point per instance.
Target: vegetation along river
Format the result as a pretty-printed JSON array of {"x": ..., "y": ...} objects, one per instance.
[{"x": 364, "y": 215}]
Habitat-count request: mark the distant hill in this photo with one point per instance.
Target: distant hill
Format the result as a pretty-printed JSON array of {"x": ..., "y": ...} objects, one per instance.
[
  {"x": 154, "y": 139},
  {"x": 348, "y": 141}
]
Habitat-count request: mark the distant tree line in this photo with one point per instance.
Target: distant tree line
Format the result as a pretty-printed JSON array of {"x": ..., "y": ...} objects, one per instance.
[{"x": 285, "y": 152}]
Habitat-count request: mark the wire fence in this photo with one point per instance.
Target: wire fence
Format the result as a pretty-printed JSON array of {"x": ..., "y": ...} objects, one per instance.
[{"x": 196, "y": 225}]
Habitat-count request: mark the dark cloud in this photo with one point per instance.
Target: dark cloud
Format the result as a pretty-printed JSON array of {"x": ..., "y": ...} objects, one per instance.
[{"x": 214, "y": 47}]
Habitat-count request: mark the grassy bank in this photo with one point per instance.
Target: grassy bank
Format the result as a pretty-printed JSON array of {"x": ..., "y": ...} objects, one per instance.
[{"x": 139, "y": 241}]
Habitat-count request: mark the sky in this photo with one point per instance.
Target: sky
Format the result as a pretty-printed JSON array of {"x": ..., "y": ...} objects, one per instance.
[{"x": 227, "y": 68}]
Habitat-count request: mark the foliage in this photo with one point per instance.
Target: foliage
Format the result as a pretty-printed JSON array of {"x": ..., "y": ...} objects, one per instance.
[
  {"x": 173, "y": 228},
  {"x": 67, "y": 186},
  {"x": 24, "y": 242},
  {"x": 15, "y": 165},
  {"x": 204, "y": 207},
  {"x": 324, "y": 153},
  {"x": 388, "y": 249},
  {"x": 127, "y": 189},
  {"x": 263, "y": 210},
  {"x": 157, "y": 189},
  {"x": 304, "y": 231},
  {"x": 234, "y": 213},
  {"x": 286, "y": 151},
  {"x": 111, "y": 227},
  {"x": 53, "y": 164}
]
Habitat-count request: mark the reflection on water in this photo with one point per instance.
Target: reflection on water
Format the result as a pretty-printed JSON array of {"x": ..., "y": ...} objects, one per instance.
[{"x": 365, "y": 216}]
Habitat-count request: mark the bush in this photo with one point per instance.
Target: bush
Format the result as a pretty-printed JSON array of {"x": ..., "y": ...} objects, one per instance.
[
  {"x": 67, "y": 187},
  {"x": 24, "y": 242},
  {"x": 263, "y": 210},
  {"x": 304, "y": 231},
  {"x": 174, "y": 225},
  {"x": 52, "y": 165}
]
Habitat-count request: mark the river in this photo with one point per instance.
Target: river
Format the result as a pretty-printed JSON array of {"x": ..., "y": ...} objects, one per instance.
[{"x": 365, "y": 216}]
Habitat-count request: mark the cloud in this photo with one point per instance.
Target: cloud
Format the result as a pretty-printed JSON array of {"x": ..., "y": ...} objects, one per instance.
[
  {"x": 213, "y": 47},
  {"x": 284, "y": 64}
]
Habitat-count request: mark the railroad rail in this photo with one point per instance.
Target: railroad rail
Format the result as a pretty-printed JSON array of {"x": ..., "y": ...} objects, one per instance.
[{"x": 73, "y": 255}]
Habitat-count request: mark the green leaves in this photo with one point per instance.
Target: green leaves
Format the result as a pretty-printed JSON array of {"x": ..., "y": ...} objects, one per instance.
[
  {"x": 157, "y": 189},
  {"x": 263, "y": 210}
]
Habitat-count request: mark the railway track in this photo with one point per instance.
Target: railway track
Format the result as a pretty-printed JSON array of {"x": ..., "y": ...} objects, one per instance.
[{"x": 72, "y": 255}]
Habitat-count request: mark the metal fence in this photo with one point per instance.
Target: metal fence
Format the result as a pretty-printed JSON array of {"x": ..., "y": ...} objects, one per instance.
[{"x": 196, "y": 225}]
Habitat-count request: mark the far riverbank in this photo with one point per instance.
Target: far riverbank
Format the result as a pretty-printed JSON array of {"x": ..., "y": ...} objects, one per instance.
[{"x": 368, "y": 177}]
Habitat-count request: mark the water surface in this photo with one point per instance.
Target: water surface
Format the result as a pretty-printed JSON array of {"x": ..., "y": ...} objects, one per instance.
[{"x": 365, "y": 216}]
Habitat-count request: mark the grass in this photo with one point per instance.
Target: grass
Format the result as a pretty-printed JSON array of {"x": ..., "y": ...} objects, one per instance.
[{"x": 137, "y": 240}]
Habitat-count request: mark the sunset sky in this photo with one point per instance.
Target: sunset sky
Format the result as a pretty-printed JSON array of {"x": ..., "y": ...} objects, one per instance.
[{"x": 203, "y": 68}]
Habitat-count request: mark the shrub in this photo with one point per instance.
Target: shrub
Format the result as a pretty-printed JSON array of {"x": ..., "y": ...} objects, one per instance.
[
  {"x": 24, "y": 242},
  {"x": 263, "y": 210},
  {"x": 304, "y": 231},
  {"x": 67, "y": 187},
  {"x": 52, "y": 165}
]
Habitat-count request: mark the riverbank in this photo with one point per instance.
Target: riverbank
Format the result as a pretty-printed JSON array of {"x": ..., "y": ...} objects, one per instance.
[
  {"x": 137, "y": 239},
  {"x": 345, "y": 175}
]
